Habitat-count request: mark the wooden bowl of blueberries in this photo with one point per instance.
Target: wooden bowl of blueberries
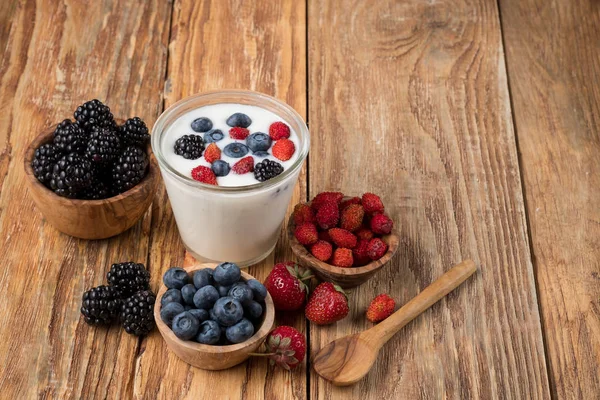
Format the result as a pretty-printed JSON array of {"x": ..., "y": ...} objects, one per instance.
[
  {"x": 92, "y": 177},
  {"x": 213, "y": 316}
]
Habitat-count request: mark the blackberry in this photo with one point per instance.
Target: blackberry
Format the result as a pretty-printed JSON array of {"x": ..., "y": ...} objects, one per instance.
[
  {"x": 134, "y": 132},
  {"x": 97, "y": 190},
  {"x": 69, "y": 137},
  {"x": 267, "y": 169},
  {"x": 128, "y": 277},
  {"x": 104, "y": 146},
  {"x": 189, "y": 147},
  {"x": 71, "y": 175},
  {"x": 137, "y": 313},
  {"x": 43, "y": 162},
  {"x": 94, "y": 114},
  {"x": 101, "y": 305},
  {"x": 129, "y": 169}
]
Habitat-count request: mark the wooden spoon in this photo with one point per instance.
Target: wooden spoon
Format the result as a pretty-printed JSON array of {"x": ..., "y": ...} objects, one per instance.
[{"x": 347, "y": 360}]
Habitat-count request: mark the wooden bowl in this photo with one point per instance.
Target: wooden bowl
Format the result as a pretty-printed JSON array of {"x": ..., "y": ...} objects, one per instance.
[
  {"x": 344, "y": 277},
  {"x": 215, "y": 357},
  {"x": 91, "y": 219}
]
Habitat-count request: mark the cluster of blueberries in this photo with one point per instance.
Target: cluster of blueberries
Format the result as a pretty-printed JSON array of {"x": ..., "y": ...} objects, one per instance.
[{"x": 214, "y": 306}]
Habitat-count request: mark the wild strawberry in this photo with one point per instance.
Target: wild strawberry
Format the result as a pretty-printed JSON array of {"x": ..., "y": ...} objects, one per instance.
[
  {"x": 303, "y": 213},
  {"x": 380, "y": 308},
  {"x": 326, "y": 197},
  {"x": 342, "y": 238},
  {"x": 364, "y": 233},
  {"x": 377, "y": 248},
  {"x": 324, "y": 235},
  {"x": 285, "y": 347},
  {"x": 306, "y": 233},
  {"x": 283, "y": 149},
  {"x": 351, "y": 217},
  {"x": 244, "y": 166},
  {"x": 381, "y": 224},
  {"x": 279, "y": 130},
  {"x": 321, "y": 250},
  {"x": 328, "y": 216},
  {"x": 286, "y": 285},
  {"x": 342, "y": 258},
  {"x": 204, "y": 174},
  {"x": 346, "y": 203},
  {"x": 239, "y": 133},
  {"x": 327, "y": 304},
  {"x": 372, "y": 203},
  {"x": 212, "y": 153},
  {"x": 360, "y": 255}
]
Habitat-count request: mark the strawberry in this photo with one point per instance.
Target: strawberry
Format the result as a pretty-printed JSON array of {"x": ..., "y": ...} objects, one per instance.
[
  {"x": 380, "y": 308},
  {"x": 286, "y": 347},
  {"x": 342, "y": 238},
  {"x": 239, "y": 133},
  {"x": 212, "y": 153},
  {"x": 286, "y": 285},
  {"x": 283, "y": 149},
  {"x": 351, "y": 217},
  {"x": 324, "y": 235},
  {"x": 346, "y": 203},
  {"x": 377, "y": 248},
  {"x": 326, "y": 197},
  {"x": 372, "y": 203},
  {"x": 244, "y": 166},
  {"x": 328, "y": 215},
  {"x": 204, "y": 174},
  {"x": 381, "y": 224},
  {"x": 321, "y": 250},
  {"x": 342, "y": 258},
  {"x": 364, "y": 233},
  {"x": 360, "y": 254},
  {"x": 279, "y": 130},
  {"x": 327, "y": 304},
  {"x": 306, "y": 233},
  {"x": 303, "y": 213}
]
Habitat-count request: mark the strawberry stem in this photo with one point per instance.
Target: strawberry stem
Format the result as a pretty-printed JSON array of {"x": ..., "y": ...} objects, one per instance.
[{"x": 307, "y": 277}]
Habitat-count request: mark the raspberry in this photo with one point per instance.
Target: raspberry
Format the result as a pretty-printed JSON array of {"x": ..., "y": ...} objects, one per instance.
[
  {"x": 342, "y": 258},
  {"x": 306, "y": 233},
  {"x": 380, "y": 308},
  {"x": 342, "y": 238},
  {"x": 303, "y": 213},
  {"x": 244, "y": 166},
  {"x": 381, "y": 224},
  {"x": 346, "y": 203},
  {"x": 328, "y": 215},
  {"x": 321, "y": 250},
  {"x": 377, "y": 248},
  {"x": 364, "y": 233},
  {"x": 283, "y": 149},
  {"x": 212, "y": 153},
  {"x": 205, "y": 175},
  {"x": 279, "y": 130},
  {"x": 326, "y": 197},
  {"x": 360, "y": 255},
  {"x": 372, "y": 203},
  {"x": 324, "y": 235},
  {"x": 239, "y": 133},
  {"x": 351, "y": 217}
]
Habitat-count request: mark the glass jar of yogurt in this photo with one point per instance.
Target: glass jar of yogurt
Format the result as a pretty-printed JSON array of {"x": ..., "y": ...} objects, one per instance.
[{"x": 240, "y": 218}]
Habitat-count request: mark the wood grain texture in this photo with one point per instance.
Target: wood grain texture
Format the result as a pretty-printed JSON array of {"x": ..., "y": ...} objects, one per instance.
[
  {"x": 57, "y": 55},
  {"x": 217, "y": 45},
  {"x": 410, "y": 100},
  {"x": 553, "y": 62}
]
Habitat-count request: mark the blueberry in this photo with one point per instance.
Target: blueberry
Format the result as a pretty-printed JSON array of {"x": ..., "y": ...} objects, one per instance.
[
  {"x": 209, "y": 332},
  {"x": 169, "y": 311},
  {"x": 199, "y": 313},
  {"x": 171, "y": 296},
  {"x": 258, "y": 141},
  {"x": 187, "y": 307},
  {"x": 228, "y": 311},
  {"x": 260, "y": 153},
  {"x": 188, "y": 292},
  {"x": 236, "y": 150},
  {"x": 253, "y": 309},
  {"x": 220, "y": 168},
  {"x": 205, "y": 297},
  {"x": 203, "y": 278},
  {"x": 213, "y": 136},
  {"x": 201, "y": 124},
  {"x": 185, "y": 325},
  {"x": 240, "y": 332},
  {"x": 227, "y": 273},
  {"x": 241, "y": 292},
  {"x": 258, "y": 289},
  {"x": 223, "y": 290},
  {"x": 176, "y": 278},
  {"x": 239, "y": 119},
  {"x": 211, "y": 315}
]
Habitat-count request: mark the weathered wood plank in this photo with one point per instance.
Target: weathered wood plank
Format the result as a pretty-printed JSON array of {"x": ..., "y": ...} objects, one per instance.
[
  {"x": 215, "y": 45},
  {"x": 409, "y": 99},
  {"x": 553, "y": 59},
  {"x": 57, "y": 55}
]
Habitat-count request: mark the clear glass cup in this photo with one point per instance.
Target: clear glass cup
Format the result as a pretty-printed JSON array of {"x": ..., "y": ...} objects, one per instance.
[{"x": 238, "y": 224}]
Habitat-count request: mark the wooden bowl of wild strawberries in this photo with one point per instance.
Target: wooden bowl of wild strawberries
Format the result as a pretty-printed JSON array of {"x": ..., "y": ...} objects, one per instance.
[{"x": 345, "y": 240}]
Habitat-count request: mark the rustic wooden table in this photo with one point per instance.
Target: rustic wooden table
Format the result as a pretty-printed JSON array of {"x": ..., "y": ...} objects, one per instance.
[{"x": 477, "y": 120}]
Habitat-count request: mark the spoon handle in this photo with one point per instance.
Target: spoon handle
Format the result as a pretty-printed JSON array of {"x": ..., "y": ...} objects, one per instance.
[{"x": 429, "y": 296}]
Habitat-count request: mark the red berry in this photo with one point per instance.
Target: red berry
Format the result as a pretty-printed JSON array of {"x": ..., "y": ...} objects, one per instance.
[
  {"x": 303, "y": 213},
  {"x": 204, "y": 174},
  {"x": 212, "y": 153},
  {"x": 321, "y": 250},
  {"x": 306, "y": 233},
  {"x": 286, "y": 347},
  {"x": 364, "y": 233},
  {"x": 239, "y": 133},
  {"x": 286, "y": 287},
  {"x": 342, "y": 258},
  {"x": 326, "y": 197},
  {"x": 279, "y": 130},
  {"x": 328, "y": 216},
  {"x": 351, "y": 217},
  {"x": 372, "y": 203},
  {"x": 381, "y": 224},
  {"x": 360, "y": 254},
  {"x": 377, "y": 248},
  {"x": 283, "y": 149},
  {"x": 380, "y": 308},
  {"x": 346, "y": 203},
  {"x": 244, "y": 166},
  {"x": 327, "y": 304},
  {"x": 324, "y": 235},
  {"x": 342, "y": 238}
]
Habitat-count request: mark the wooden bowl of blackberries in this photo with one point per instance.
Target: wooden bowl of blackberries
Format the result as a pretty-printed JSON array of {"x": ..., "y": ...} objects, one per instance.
[
  {"x": 213, "y": 316},
  {"x": 92, "y": 177}
]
